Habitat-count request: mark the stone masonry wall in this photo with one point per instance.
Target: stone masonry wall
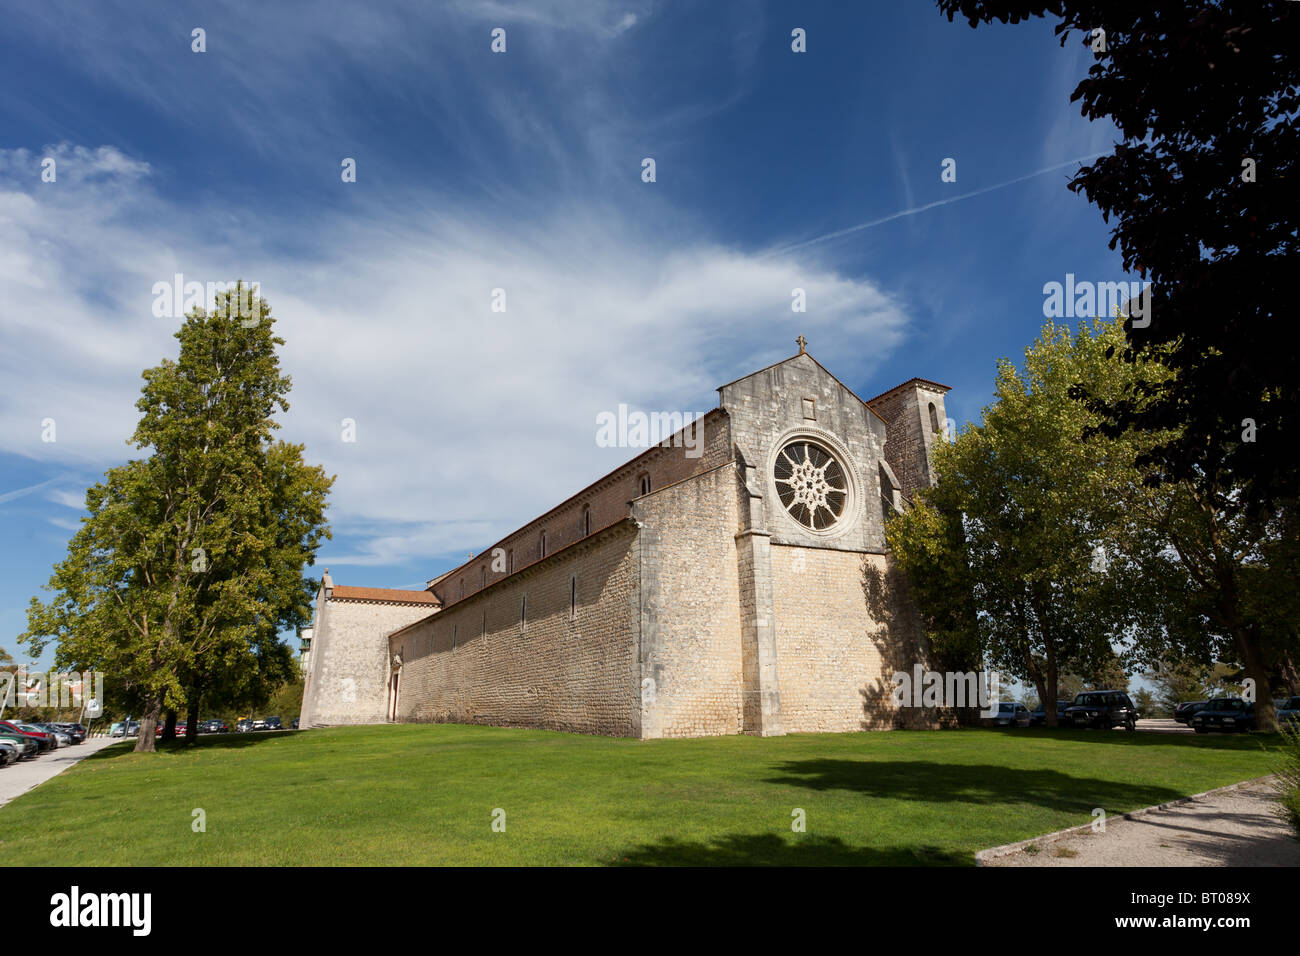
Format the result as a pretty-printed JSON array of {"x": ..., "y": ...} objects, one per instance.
[
  {"x": 912, "y": 436},
  {"x": 690, "y": 615},
  {"x": 483, "y": 661},
  {"x": 608, "y": 500},
  {"x": 829, "y": 646},
  {"x": 347, "y": 682},
  {"x": 799, "y": 395}
]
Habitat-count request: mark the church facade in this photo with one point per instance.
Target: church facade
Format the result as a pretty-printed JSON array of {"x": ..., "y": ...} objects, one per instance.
[{"x": 738, "y": 582}]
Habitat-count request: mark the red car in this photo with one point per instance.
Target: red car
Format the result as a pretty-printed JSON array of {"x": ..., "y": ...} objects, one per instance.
[{"x": 43, "y": 740}]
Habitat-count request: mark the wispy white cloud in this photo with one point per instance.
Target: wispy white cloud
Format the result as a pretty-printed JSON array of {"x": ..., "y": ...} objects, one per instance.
[
  {"x": 69, "y": 499},
  {"x": 71, "y": 163},
  {"x": 468, "y": 421}
]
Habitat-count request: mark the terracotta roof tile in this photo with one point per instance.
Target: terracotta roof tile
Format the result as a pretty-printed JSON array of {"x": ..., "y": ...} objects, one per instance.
[{"x": 389, "y": 595}]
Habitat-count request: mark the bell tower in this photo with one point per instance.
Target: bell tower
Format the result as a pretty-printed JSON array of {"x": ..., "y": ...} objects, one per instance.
[{"x": 915, "y": 420}]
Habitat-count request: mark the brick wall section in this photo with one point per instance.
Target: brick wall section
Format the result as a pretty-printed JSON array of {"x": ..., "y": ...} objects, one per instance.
[
  {"x": 608, "y": 500},
  {"x": 832, "y": 669},
  {"x": 347, "y": 679},
  {"x": 554, "y": 673},
  {"x": 690, "y": 617},
  {"x": 912, "y": 436}
]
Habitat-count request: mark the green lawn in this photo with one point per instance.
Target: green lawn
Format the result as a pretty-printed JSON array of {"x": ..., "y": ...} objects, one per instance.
[{"x": 425, "y": 794}]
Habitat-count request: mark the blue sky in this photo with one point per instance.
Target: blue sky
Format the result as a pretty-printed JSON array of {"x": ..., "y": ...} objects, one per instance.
[{"x": 520, "y": 171}]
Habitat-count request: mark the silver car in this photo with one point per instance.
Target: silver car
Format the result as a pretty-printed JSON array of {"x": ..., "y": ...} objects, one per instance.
[
  {"x": 1010, "y": 714},
  {"x": 64, "y": 738}
]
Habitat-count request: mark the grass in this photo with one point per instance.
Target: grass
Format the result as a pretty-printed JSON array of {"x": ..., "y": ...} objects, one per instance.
[{"x": 419, "y": 794}]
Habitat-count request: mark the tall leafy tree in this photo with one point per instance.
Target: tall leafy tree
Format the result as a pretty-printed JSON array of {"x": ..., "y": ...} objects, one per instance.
[
  {"x": 1179, "y": 572},
  {"x": 191, "y": 558},
  {"x": 1203, "y": 188},
  {"x": 1022, "y": 520},
  {"x": 1222, "y": 578}
]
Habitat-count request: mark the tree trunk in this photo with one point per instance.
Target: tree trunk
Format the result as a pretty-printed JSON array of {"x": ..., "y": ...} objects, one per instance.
[
  {"x": 192, "y": 719},
  {"x": 1040, "y": 687},
  {"x": 144, "y": 744},
  {"x": 1265, "y": 715},
  {"x": 1053, "y": 688},
  {"x": 169, "y": 729}
]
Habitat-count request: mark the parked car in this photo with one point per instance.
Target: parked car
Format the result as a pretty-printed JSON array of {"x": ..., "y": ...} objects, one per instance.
[
  {"x": 1289, "y": 712},
  {"x": 62, "y": 736},
  {"x": 1038, "y": 718},
  {"x": 259, "y": 724},
  {"x": 8, "y": 753},
  {"x": 44, "y": 740},
  {"x": 1227, "y": 714},
  {"x": 1010, "y": 714},
  {"x": 26, "y": 746},
  {"x": 294, "y": 725},
  {"x": 57, "y": 737},
  {"x": 244, "y": 726},
  {"x": 214, "y": 727},
  {"x": 1183, "y": 712},
  {"x": 1102, "y": 709},
  {"x": 273, "y": 723},
  {"x": 75, "y": 731}
]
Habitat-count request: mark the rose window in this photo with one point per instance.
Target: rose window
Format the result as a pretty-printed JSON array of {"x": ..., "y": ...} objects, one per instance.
[{"x": 811, "y": 483}]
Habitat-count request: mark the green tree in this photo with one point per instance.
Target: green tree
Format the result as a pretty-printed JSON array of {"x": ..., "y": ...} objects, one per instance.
[
  {"x": 1146, "y": 704},
  {"x": 191, "y": 558},
  {"x": 1202, "y": 188},
  {"x": 1021, "y": 519},
  {"x": 1221, "y": 578},
  {"x": 1182, "y": 680}
]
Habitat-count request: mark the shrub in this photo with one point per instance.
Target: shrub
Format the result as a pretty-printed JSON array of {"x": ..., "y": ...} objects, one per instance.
[{"x": 1289, "y": 778}]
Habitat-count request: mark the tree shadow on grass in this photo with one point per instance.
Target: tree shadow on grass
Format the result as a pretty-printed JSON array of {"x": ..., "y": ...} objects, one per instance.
[
  {"x": 205, "y": 742},
  {"x": 768, "y": 849},
  {"x": 970, "y": 783},
  {"x": 1237, "y": 742}
]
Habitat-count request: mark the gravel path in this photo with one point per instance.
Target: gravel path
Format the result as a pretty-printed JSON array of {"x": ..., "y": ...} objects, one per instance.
[
  {"x": 17, "y": 778},
  {"x": 1231, "y": 827}
]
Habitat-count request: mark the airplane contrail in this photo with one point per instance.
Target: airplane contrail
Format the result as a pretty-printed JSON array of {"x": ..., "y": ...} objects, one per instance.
[
  {"x": 19, "y": 492},
  {"x": 930, "y": 205}
]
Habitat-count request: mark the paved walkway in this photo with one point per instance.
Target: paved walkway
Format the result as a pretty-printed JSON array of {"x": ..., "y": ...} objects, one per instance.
[
  {"x": 17, "y": 778},
  {"x": 1238, "y": 826}
]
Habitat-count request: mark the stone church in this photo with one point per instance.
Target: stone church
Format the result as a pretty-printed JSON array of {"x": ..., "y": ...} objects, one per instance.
[{"x": 734, "y": 584}]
